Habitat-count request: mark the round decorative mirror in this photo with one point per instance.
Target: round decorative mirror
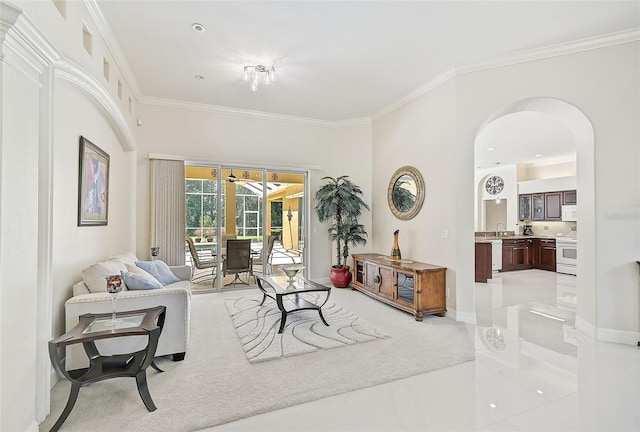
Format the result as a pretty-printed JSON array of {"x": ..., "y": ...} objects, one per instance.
[{"x": 406, "y": 193}]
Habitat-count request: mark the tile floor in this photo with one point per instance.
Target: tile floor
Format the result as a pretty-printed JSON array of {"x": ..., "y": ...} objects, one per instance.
[{"x": 533, "y": 372}]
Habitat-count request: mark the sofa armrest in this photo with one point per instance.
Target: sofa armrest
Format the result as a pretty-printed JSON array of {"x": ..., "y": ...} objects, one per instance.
[
  {"x": 174, "y": 337},
  {"x": 183, "y": 272}
]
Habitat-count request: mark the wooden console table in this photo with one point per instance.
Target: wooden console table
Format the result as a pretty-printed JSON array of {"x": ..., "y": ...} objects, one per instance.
[
  {"x": 90, "y": 328},
  {"x": 411, "y": 286}
]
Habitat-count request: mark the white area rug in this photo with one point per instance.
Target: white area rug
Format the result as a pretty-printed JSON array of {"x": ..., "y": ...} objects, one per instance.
[
  {"x": 257, "y": 328},
  {"x": 215, "y": 384}
]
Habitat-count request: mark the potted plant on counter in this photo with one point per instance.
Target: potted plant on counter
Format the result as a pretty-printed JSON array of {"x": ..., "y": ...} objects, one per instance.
[{"x": 339, "y": 201}]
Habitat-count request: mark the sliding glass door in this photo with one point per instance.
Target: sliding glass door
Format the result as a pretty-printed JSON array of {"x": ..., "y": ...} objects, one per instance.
[{"x": 225, "y": 203}]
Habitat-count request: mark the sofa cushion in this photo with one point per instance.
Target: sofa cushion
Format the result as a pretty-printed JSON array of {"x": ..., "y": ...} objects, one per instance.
[
  {"x": 137, "y": 281},
  {"x": 95, "y": 275},
  {"x": 126, "y": 258},
  {"x": 160, "y": 270}
]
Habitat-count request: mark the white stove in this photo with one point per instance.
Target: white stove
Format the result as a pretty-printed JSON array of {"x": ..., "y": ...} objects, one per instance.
[{"x": 567, "y": 255}]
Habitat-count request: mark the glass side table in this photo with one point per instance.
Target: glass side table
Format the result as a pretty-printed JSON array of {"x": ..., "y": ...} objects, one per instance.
[{"x": 92, "y": 327}]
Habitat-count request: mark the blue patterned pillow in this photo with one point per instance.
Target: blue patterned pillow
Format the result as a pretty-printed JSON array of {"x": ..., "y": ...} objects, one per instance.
[
  {"x": 138, "y": 281},
  {"x": 159, "y": 270}
]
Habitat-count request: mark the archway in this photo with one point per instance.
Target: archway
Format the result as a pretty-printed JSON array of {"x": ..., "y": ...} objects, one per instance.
[{"x": 582, "y": 130}]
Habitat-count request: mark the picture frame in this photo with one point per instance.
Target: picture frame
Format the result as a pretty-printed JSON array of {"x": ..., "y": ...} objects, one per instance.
[{"x": 93, "y": 185}]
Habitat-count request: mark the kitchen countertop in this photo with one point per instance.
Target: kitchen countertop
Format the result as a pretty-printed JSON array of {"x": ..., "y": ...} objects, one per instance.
[{"x": 488, "y": 239}]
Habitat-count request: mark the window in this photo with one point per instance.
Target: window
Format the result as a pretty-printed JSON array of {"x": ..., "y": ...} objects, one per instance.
[{"x": 201, "y": 212}]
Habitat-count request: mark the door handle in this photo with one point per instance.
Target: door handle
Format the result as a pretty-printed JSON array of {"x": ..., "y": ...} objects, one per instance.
[{"x": 376, "y": 279}]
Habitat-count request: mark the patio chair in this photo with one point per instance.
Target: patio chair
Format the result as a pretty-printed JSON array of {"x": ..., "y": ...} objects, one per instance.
[
  {"x": 237, "y": 260},
  {"x": 258, "y": 261},
  {"x": 201, "y": 260}
]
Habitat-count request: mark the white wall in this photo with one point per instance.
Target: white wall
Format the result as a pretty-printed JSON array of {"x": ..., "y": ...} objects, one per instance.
[
  {"x": 42, "y": 251},
  {"x": 611, "y": 104},
  {"x": 75, "y": 248},
  {"x": 215, "y": 137},
  {"x": 422, "y": 134},
  {"x": 509, "y": 174},
  {"x": 18, "y": 252}
]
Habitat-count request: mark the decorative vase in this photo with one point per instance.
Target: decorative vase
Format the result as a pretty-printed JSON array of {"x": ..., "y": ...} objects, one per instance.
[
  {"x": 395, "y": 252},
  {"x": 340, "y": 277}
]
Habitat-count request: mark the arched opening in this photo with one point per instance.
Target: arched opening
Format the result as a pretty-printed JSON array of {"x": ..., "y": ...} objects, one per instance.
[{"x": 581, "y": 131}]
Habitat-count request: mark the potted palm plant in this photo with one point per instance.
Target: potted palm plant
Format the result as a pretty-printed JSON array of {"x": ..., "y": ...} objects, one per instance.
[{"x": 339, "y": 201}]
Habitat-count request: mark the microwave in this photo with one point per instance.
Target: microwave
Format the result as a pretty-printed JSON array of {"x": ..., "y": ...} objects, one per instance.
[{"x": 570, "y": 213}]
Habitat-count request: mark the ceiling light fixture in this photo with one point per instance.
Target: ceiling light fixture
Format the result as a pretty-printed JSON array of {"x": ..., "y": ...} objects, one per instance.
[
  {"x": 198, "y": 27},
  {"x": 199, "y": 77},
  {"x": 258, "y": 74},
  {"x": 231, "y": 177}
]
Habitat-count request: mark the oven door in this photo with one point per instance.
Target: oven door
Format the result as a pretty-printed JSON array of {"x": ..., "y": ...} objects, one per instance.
[{"x": 566, "y": 257}]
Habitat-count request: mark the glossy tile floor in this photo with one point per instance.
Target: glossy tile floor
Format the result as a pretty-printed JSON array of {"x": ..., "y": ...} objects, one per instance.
[{"x": 533, "y": 372}]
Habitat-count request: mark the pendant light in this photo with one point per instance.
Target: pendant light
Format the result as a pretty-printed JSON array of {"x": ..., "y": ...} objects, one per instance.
[{"x": 231, "y": 177}]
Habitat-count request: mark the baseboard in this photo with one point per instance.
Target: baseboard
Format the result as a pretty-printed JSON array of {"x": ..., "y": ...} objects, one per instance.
[
  {"x": 585, "y": 327},
  {"x": 33, "y": 427},
  {"x": 54, "y": 378},
  {"x": 618, "y": 336},
  {"x": 465, "y": 317},
  {"x": 607, "y": 335}
]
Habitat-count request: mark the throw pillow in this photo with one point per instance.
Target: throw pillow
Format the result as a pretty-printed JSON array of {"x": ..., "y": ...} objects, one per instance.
[
  {"x": 136, "y": 281},
  {"x": 126, "y": 258},
  {"x": 95, "y": 276},
  {"x": 160, "y": 270}
]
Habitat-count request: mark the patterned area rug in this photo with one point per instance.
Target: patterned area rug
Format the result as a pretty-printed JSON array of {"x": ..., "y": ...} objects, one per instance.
[{"x": 257, "y": 328}]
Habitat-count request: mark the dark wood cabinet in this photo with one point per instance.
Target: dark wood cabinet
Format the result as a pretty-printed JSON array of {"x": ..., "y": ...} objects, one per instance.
[
  {"x": 545, "y": 206},
  {"x": 525, "y": 207},
  {"x": 537, "y": 207},
  {"x": 517, "y": 254},
  {"x": 570, "y": 197},
  {"x": 553, "y": 206},
  {"x": 483, "y": 261},
  {"x": 545, "y": 252},
  {"x": 411, "y": 286},
  {"x": 521, "y": 254}
]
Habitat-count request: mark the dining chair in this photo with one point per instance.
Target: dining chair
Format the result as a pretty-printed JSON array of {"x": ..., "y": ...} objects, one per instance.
[
  {"x": 259, "y": 260},
  {"x": 201, "y": 260},
  {"x": 237, "y": 260}
]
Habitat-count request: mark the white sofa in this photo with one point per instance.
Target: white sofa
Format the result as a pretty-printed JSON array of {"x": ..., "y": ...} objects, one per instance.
[{"x": 176, "y": 297}]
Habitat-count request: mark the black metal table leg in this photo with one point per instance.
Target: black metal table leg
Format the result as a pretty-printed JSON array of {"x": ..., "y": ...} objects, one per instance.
[
  {"x": 143, "y": 389},
  {"x": 283, "y": 321},
  {"x": 73, "y": 397},
  {"x": 322, "y": 317}
]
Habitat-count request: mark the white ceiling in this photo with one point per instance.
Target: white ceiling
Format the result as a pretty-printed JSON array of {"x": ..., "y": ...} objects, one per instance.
[{"x": 335, "y": 60}]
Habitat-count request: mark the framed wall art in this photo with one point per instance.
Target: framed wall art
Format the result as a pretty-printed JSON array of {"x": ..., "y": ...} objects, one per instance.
[{"x": 93, "y": 185}]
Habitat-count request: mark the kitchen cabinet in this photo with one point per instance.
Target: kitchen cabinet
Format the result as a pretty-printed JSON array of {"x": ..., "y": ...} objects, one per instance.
[
  {"x": 537, "y": 207},
  {"x": 525, "y": 207},
  {"x": 517, "y": 254},
  {"x": 414, "y": 287},
  {"x": 483, "y": 261},
  {"x": 534, "y": 253},
  {"x": 570, "y": 197},
  {"x": 553, "y": 206},
  {"x": 545, "y": 206},
  {"x": 545, "y": 254}
]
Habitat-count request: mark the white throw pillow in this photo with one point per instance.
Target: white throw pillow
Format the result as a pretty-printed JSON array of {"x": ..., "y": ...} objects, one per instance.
[
  {"x": 137, "y": 281},
  {"x": 160, "y": 270},
  {"x": 95, "y": 276},
  {"x": 126, "y": 258}
]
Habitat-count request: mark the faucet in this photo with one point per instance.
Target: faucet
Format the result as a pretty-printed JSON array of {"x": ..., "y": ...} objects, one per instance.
[{"x": 497, "y": 225}]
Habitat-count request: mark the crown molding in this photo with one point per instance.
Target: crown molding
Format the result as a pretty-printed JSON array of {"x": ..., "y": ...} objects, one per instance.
[
  {"x": 439, "y": 79},
  {"x": 99, "y": 97},
  {"x": 580, "y": 45},
  {"x": 114, "y": 47},
  {"x": 586, "y": 44},
  {"x": 238, "y": 112}
]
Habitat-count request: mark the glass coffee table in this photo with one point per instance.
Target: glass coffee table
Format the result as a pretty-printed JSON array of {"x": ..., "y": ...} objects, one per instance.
[{"x": 293, "y": 294}]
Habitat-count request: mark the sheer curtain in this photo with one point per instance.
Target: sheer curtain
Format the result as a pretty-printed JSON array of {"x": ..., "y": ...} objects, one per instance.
[{"x": 168, "y": 210}]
